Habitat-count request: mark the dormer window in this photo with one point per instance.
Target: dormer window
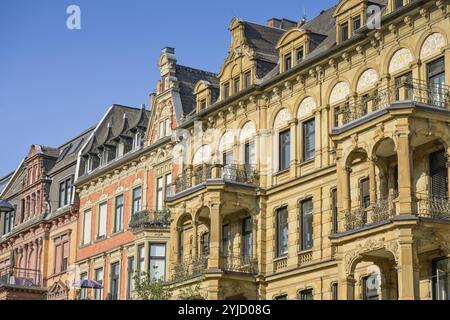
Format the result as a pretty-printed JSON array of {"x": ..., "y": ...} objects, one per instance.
[
  {"x": 203, "y": 105},
  {"x": 344, "y": 32},
  {"x": 300, "y": 54},
  {"x": 247, "y": 80},
  {"x": 137, "y": 140},
  {"x": 356, "y": 23},
  {"x": 287, "y": 62},
  {"x": 236, "y": 85},
  {"x": 226, "y": 90},
  {"x": 165, "y": 128},
  {"x": 398, "y": 4}
]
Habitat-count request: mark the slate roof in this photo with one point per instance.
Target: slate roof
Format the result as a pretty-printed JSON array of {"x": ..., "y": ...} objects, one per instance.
[
  {"x": 187, "y": 79},
  {"x": 264, "y": 40},
  {"x": 118, "y": 121}
]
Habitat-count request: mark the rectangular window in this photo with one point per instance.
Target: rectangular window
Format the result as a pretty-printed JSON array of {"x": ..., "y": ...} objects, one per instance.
[
  {"x": 365, "y": 193},
  {"x": 438, "y": 175},
  {"x": 83, "y": 291},
  {"x": 9, "y": 221},
  {"x": 226, "y": 243},
  {"x": 159, "y": 193},
  {"x": 309, "y": 139},
  {"x": 441, "y": 279},
  {"x": 287, "y": 62},
  {"x": 158, "y": 261},
  {"x": 336, "y": 117},
  {"x": 300, "y": 54},
  {"x": 203, "y": 104},
  {"x": 168, "y": 126},
  {"x": 398, "y": 4},
  {"x": 181, "y": 245},
  {"x": 226, "y": 90},
  {"x": 115, "y": 281},
  {"x": 247, "y": 80},
  {"x": 130, "y": 278},
  {"x": 168, "y": 185},
  {"x": 87, "y": 221},
  {"x": 250, "y": 153},
  {"x": 334, "y": 291},
  {"x": 284, "y": 150},
  {"x": 98, "y": 276},
  {"x": 65, "y": 192},
  {"x": 161, "y": 131},
  {"x": 306, "y": 294},
  {"x": 282, "y": 232},
  {"x": 65, "y": 256},
  {"x": 344, "y": 32},
  {"x": 403, "y": 83},
  {"x": 137, "y": 200},
  {"x": 227, "y": 157},
  {"x": 102, "y": 216},
  {"x": 307, "y": 224},
  {"x": 236, "y": 85},
  {"x": 334, "y": 210},
  {"x": 118, "y": 217},
  {"x": 141, "y": 259},
  {"x": 247, "y": 237},
  {"x": 205, "y": 244},
  {"x": 58, "y": 255},
  {"x": 436, "y": 83},
  {"x": 356, "y": 23}
]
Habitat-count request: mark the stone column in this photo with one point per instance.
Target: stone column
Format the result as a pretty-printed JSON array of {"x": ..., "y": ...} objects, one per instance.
[
  {"x": 346, "y": 283},
  {"x": 293, "y": 145},
  {"x": 404, "y": 173},
  {"x": 194, "y": 239},
  {"x": 448, "y": 171},
  {"x": 343, "y": 192},
  {"x": 215, "y": 237},
  {"x": 407, "y": 268},
  {"x": 372, "y": 181},
  {"x": 318, "y": 139},
  {"x": 174, "y": 240}
]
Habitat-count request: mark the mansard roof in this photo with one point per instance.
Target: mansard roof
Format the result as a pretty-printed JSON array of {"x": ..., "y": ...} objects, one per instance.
[
  {"x": 187, "y": 79},
  {"x": 118, "y": 121}
]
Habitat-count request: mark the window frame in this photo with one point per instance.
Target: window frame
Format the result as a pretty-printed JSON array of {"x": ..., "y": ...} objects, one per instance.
[
  {"x": 286, "y": 156},
  {"x": 287, "y": 59},
  {"x": 306, "y": 225},
  {"x": 84, "y": 238},
  {"x": 308, "y": 155},
  {"x": 136, "y": 200},
  {"x": 118, "y": 227},
  {"x": 280, "y": 252},
  {"x": 344, "y": 31},
  {"x": 158, "y": 258},
  {"x": 98, "y": 293},
  {"x": 101, "y": 225},
  {"x": 247, "y": 252}
]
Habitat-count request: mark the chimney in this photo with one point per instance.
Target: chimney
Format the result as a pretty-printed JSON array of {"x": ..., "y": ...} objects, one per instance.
[
  {"x": 274, "y": 23},
  {"x": 283, "y": 23},
  {"x": 169, "y": 50},
  {"x": 143, "y": 106}
]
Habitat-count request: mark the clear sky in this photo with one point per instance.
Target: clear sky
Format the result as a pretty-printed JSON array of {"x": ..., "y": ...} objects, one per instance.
[{"x": 55, "y": 82}]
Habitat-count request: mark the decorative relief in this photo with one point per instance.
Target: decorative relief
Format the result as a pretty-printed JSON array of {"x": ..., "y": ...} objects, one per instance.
[
  {"x": 339, "y": 93},
  {"x": 307, "y": 106},
  {"x": 367, "y": 80},
  {"x": 401, "y": 59},
  {"x": 432, "y": 45},
  {"x": 282, "y": 119}
]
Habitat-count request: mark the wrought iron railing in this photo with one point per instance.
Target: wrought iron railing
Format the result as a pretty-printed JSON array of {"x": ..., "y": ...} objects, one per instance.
[
  {"x": 150, "y": 219},
  {"x": 21, "y": 277},
  {"x": 189, "y": 268},
  {"x": 243, "y": 264},
  {"x": 235, "y": 172},
  {"x": 382, "y": 210},
  {"x": 434, "y": 95},
  {"x": 433, "y": 207}
]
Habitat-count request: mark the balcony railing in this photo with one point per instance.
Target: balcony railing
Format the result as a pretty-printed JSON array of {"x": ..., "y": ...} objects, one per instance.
[
  {"x": 21, "y": 277},
  {"x": 189, "y": 268},
  {"x": 150, "y": 219},
  {"x": 436, "y": 95},
  {"x": 243, "y": 264},
  {"x": 235, "y": 172},
  {"x": 433, "y": 207}
]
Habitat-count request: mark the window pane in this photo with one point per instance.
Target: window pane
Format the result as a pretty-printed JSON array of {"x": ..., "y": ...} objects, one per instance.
[
  {"x": 284, "y": 150},
  {"x": 137, "y": 199},
  {"x": 158, "y": 250},
  {"x": 157, "y": 261},
  {"x": 307, "y": 226},
  {"x": 308, "y": 140},
  {"x": 130, "y": 280},
  {"x": 98, "y": 293},
  {"x": 118, "y": 219},
  {"x": 159, "y": 194},
  {"x": 282, "y": 231},
  {"x": 87, "y": 227},
  {"x": 168, "y": 185},
  {"x": 102, "y": 214}
]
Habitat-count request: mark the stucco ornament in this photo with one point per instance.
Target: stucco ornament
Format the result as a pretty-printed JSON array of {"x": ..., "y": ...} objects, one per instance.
[
  {"x": 203, "y": 155},
  {"x": 339, "y": 93},
  {"x": 306, "y": 108},
  {"x": 282, "y": 119},
  {"x": 432, "y": 45},
  {"x": 401, "y": 59},
  {"x": 367, "y": 80},
  {"x": 248, "y": 132}
]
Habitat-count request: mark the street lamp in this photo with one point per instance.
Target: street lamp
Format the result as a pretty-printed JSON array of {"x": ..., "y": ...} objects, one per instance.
[{"x": 5, "y": 206}]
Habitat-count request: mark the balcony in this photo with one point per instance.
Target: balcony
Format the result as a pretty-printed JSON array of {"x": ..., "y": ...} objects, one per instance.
[
  {"x": 189, "y": 268},
  {"x": 235, "y": 173},
  {"x": 242, "y": 264},
  {"x": 424, "y": 206},
  {"x": 21, "y": 277},
  {"x": 417, "y": 91},
  {"x": 150, "y": 219}
]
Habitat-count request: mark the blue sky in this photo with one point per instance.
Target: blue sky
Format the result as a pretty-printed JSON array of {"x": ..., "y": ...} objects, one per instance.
[{"x": 55, "y": 82}]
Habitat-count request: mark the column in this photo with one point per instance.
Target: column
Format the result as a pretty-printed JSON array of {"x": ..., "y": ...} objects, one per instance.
[
  {"x": 215, "y": 237},
  {"x": 174, "y": 240},
  {"x": 448, "y": 171},
  {"x": 293, "y": 146},
  {"x": 343, "y": 192},
  {"x": 346, "y": 284},
  {"x": 318, "y": 139},
  {"x": 254, "y": 239},
  {"x": 194, "y": 239},
  {"x": 404, "y": 173},
  {"x": 407, "y": 269},
  {"x": 372, "y": 181}
]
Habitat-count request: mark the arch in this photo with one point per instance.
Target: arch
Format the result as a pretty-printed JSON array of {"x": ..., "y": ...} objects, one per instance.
[
  {"x": 400, "y": 59},
  {"x": 432, "y": 45},
  {"x": 202, "y": 155},
  {"x": 367, "y": 80},
  {"x": 282, "y": 119},
  {"x": 306, "y": 107},
  {"x": 358, "y": 152},
  {"x": 248, "y": 132},
  {"x": 339, "y": 93},
  {"x": 380, "y": 142},
  {"x": 226, "y": 141}
]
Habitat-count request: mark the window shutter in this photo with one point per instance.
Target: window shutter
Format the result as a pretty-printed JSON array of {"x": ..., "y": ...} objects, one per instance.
[
  {"x": 58, "y": 261},
  {"x": 438, "y": 174}
]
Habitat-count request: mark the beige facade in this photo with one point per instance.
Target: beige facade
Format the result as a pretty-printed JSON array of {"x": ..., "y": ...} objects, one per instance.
[{"x": 370, "y": 177}]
